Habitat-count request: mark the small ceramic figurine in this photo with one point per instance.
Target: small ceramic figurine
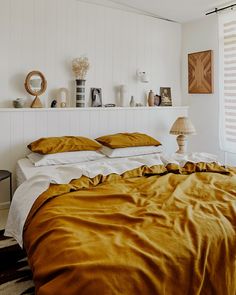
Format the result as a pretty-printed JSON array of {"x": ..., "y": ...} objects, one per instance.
[{"x": 54, "y": 104}]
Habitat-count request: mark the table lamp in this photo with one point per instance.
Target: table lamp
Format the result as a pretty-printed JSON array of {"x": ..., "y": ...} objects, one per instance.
[{"x": 182, "y": 127}]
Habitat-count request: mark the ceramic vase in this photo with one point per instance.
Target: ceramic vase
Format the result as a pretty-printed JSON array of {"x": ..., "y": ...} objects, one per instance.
[
  {"x": 80, "y": 93},
  {"x": 132, "y": 102},
  {"x": 151, "y": 97},
  {"x": 123, "y": 91}
]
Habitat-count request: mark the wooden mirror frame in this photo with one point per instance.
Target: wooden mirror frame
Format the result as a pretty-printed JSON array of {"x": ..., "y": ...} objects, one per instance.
[{"x": 36, "y": 103}]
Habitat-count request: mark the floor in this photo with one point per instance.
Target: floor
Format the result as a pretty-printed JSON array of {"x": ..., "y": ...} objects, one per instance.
[{"x": 3, "y": 217}]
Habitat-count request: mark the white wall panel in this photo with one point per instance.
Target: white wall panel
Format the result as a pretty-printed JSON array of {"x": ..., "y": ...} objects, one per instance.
[
  {"x": 47, "y": 34},
  {"x": 19, "y": 127}
]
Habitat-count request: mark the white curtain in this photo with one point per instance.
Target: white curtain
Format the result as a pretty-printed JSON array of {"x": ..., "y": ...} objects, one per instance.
[{"x": 227, "y": 54}]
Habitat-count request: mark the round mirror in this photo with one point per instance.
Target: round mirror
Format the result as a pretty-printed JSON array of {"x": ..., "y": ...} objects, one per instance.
[{"x": 36, "y": 84}]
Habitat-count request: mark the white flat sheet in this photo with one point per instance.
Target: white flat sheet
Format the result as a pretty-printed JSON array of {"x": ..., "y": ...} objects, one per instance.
[
  {"x": 25, "y": 169},
  {"x": 38, "y": 181}
]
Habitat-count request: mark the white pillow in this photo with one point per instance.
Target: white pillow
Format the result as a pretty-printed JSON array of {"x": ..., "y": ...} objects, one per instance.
[
  {"x": 64, "y": 158},
  {"x": 131, "y": 151}
]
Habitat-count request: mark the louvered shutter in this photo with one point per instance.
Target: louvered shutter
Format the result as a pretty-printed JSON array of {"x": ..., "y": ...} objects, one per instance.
[{"x": 227, "y": 55}]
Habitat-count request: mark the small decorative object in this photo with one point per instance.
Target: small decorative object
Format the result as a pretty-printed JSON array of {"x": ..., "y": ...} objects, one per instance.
[
  {"x": 80, "y": 93},
  {"x": 109, "y": 105},
  {"x": 142, "y": 76},
  {"x": 63, "y": 97},
  {"x": 139, "y": 104},
  {"x": 54, "y": 104},
  {"x": 96, "y": 97},
  {"x": 19, "y": 103},
  {"x": 132, "y": 102},
  {"x": 200, "y": 72},
  {"x": 80, "y": 67},
  {"x": 151, "y": 98},
  {"x": 123, "y": 90},
  {"x": 182, "y": 127},
  {"x": 157, "y": 100},
  {"x": 35, "y": 84},
  {"x": 166, "y": 96}
]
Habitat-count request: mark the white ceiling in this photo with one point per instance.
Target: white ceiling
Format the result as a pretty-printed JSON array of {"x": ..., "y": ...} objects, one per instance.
[{"x": 176, "y": 10}]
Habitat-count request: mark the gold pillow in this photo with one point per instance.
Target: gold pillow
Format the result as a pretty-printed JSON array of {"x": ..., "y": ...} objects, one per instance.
[
  {"x": 53, "y": 145},
  {"x": 122, "y": 140}
]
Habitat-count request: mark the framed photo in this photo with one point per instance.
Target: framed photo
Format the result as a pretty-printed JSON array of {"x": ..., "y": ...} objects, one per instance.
[
  {"x": 200, "y": 72},
  {"x": 96, "y": 97},
  {"x": 165, "y": 93}
]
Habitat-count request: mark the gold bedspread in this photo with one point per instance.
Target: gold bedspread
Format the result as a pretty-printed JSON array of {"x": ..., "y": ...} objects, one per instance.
[{"x": 150, "y": 231}]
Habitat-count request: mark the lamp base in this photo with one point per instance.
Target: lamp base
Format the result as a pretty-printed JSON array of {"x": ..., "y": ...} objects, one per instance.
[{"x": 181, "y": 140}]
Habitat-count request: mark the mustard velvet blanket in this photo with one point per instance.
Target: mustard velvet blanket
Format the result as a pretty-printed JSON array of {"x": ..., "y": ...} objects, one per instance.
[{"x": 149, "y": 231}]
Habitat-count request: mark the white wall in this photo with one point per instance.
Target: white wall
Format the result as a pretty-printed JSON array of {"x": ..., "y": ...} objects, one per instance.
[
  {"x": 19, "y": 127},
  {"x": 46, "y": 35},
  {"x": 203, "y": 109}
]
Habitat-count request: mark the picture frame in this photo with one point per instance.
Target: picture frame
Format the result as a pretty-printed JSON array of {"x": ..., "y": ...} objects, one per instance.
[
  {"x": 200, "y": 72},
  {"x": 96, "y": 97},
  {"x": 165, "y": 93}
]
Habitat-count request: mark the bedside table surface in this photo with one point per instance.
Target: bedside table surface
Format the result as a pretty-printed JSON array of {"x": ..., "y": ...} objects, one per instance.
[{"x": 4, "y": 174}]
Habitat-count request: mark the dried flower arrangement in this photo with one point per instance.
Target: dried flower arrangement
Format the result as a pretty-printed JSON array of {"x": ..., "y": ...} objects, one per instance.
[{"x": 80, "y": 67}]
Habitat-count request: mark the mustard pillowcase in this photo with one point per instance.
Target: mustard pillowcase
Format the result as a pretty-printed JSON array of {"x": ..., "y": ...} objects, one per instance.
[
  {"x": 123, "y": 140},
  {"x": 53, "y": 145}
]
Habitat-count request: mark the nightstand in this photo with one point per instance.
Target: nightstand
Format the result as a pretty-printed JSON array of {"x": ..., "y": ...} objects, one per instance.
[{"x": 4, "y": 174}]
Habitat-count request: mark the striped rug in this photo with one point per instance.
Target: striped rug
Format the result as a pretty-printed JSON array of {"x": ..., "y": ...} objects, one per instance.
[{"x": 15, "y": 274}]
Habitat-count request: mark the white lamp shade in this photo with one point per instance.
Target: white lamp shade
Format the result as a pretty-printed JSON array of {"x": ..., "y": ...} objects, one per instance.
[{"x": 183, "y": 126}]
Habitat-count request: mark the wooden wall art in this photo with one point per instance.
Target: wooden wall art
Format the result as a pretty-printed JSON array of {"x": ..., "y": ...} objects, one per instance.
[{"x": 200, "y": 72}]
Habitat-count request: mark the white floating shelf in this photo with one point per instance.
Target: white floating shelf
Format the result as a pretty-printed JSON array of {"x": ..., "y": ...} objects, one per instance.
[{"x": 88, "y": 109}]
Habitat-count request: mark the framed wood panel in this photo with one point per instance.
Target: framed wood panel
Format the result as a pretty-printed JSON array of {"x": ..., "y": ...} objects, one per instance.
[{"x": 200, "y": 72}]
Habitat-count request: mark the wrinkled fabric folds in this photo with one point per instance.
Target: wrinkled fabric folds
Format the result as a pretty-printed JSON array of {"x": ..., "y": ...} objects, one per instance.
[{"x": 152, "y": 230}]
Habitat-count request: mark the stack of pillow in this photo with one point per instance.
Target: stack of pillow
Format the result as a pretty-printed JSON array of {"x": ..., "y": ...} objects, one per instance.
[
  {"x": 128, "y": 145},
  {"x": 76, "y": 149}
]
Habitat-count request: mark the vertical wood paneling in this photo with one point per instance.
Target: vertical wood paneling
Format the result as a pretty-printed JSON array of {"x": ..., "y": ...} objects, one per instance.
[
  {"x": 47, "y": 35},
  {"x": 19, "y": 128},
  {"x": 41, "y": 122}
]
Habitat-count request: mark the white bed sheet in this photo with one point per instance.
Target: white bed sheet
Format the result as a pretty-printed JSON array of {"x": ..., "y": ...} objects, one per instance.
[
  {"x": 25, "y": 169},
  {"x": 38, "y": 180}
]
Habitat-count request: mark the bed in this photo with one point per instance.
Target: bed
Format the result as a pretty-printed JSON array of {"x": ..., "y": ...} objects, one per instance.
[{"x": 150, "y": 224}]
